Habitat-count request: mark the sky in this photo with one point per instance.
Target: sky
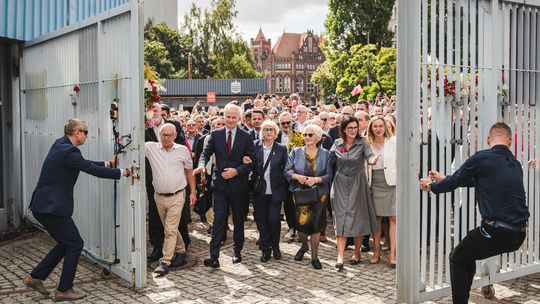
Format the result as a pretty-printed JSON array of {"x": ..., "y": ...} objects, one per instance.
[{"x": 272, "y": 16}]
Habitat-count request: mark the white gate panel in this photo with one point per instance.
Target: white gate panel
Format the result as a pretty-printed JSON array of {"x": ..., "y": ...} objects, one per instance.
[
  {"x": 478, "y": 65},
  {"x": 103, "y": 57}
]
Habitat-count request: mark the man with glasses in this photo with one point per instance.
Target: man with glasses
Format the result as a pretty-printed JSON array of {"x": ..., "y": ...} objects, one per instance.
[
  {"x": 192, "y": 136},
  {"x": 52, "y": 206},
  {"x": 155, "y": 227},
  {"x": 325, "y": 118},
  {"x": 285, "y": 123},
  {"x": 172, "y": 170},
  {"x": 301, "y": 118}
]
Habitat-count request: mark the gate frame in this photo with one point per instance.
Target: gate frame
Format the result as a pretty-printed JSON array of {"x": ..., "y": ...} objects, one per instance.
[
  {"x": 137, "y": 273},
  {"x": 408, "y": 165}
]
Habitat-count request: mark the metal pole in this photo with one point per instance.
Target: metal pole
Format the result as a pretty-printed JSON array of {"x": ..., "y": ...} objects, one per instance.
[
  {"x": 368, "y": 58},
  {"x": 408, "y": 161}
]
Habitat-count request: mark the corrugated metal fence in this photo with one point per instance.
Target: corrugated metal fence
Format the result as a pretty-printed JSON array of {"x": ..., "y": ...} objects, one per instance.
[{"x": 28, "y": 19}]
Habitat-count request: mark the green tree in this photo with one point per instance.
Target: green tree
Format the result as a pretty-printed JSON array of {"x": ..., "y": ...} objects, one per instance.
[
  {"x": 324, "y": 79},
  {"x": 349, "y": 21},
  {"x": 157, "y": 56},
  {"x": 218, "y": 50}
]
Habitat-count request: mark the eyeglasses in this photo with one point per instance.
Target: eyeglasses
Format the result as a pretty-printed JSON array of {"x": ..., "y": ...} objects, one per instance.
[
  {"x": 352, "y": 128},
  {"x": 166, "y": 135},
  {"x": 268, "y": 130},
  {"x": 285, "y": 123},
  {"x": 324, "y": 119},
  {"x": 84, "y": 131},
  {"x": 309, "y": 134}
]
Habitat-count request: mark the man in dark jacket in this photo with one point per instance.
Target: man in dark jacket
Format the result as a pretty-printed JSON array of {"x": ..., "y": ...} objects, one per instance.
[{"x": 52, "y": 206}]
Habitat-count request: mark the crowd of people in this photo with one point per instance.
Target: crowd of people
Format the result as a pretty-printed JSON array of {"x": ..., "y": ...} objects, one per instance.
[{"x": 293, "y": 160}]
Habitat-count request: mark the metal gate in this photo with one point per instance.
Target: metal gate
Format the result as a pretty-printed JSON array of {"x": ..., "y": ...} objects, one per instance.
[
  {"x": 462, "y": 65},
  {"x": 79, "y": 71}
]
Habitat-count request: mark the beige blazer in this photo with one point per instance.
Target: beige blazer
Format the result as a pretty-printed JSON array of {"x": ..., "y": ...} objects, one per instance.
[{"x": 389, "y": 159}]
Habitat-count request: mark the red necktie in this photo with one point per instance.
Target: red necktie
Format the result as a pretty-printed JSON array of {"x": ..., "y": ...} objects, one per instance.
[{"x": 229, "y": 142}]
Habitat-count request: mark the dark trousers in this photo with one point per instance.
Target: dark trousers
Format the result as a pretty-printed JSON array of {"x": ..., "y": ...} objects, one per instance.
[
  {"x": 478, "y": 245},
  {"x": 155, "y": 227},
  {"x": 290, "y": 210},
  {"x": 69, "y": 247},
  {"x": 268, "y": 222},
  {"x": 238, "y": 204}
]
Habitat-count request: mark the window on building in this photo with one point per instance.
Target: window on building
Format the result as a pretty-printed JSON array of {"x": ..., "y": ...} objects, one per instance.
[
  {"x": 279, "y": 84},
  {"x": 300, "y": 84},
  {"x": 287, "y": 84},
  {"x": 310, "y": 87},
  {"x": 310, "y": 44}
]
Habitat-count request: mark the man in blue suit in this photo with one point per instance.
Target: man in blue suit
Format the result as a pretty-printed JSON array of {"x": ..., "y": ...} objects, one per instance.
[
  {"x": 52, "y": 206},
  {"x": 229, "y": 181}
]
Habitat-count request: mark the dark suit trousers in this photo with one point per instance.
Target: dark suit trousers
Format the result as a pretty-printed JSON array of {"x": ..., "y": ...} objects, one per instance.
[
  {"x": 69, "y": 247},
  {"x": 290, "y": 210},
  {"x": 155, "y": 227},
  {"x": 238, "y": 204},
  {"x": 268, "y": 222},
  {"x": 478, "y": 245}
]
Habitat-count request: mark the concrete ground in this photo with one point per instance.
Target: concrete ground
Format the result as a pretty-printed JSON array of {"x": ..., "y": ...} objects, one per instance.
[{"x": 283, "y": 281}]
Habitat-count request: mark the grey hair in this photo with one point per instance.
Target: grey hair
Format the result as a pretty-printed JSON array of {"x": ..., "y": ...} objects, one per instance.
[
  {"x": 73, "y": 124},
  {"x": 318, "y": 131},
  {"x": 233, "y": 107},
  {"x": 167, "y": 125}
]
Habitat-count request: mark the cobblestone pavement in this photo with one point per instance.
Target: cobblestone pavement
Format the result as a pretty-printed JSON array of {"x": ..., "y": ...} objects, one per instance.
[{"x": 283, "y": 281}]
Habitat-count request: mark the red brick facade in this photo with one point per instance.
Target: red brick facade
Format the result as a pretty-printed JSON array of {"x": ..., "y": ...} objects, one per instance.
[{"x": 288, "y": 66}]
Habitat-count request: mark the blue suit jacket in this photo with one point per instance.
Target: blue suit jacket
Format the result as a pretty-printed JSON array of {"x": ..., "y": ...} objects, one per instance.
[
  {"x": 242, "y": 146},
  {"x": 297, "y": 162},
  {"x": 276, "y": 167},
  {"x": 54, "y": 190}
]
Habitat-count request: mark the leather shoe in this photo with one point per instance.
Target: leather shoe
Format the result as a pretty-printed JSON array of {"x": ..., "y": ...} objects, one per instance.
[
  {"x": 69, "y": 295},
  {"x": 300, "y": 255},
  {"x": 211, "y": 262},
  {"x": 316, "y": 264},
  {"x": 365, "y": 248},
  {"x": 36, "y": 284},
  {"x": 157, "y": 253},
  {"x": 237, "y": 258},
  {"x": 277, "y": 255},
  {"x": 339, "y": 267},
  {"x": 178, "y": 259},
  {"x": 265, "y": 257},
  {"x": 162, "y": 269}
]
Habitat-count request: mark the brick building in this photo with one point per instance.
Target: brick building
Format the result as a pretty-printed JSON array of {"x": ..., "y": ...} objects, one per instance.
[{"x": 289, "y": 64}]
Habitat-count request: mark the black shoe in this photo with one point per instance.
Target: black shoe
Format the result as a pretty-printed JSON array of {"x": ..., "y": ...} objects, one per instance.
[
  {"x": 365, "y": 244},
  {"x": 300, "y": 255},
  {"x": 316, "y": 264},
  {"x": 156, "y": 254},
  {"x": 237, "y": 258},
  {"x": 265, "y": 257},
  {"x": 211, "y": 262},
  {"x": 258, "y": 242},
  {"x": 354, "y": 262},
  {"x": 339, "y": 266},
  {"x": 162, "y": 269},
  {"x": 178, "y": 259},
  {"x": 209, "y": 230},
  {"x": 277, "y": 255},
  {"x": 365, "y": 248}
]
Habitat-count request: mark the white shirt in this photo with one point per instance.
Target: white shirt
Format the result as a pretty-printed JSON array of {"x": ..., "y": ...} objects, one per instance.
[
  {"x": 168, "y": 174},
  {"x": 301, "y": 125},
  {"x": 266, "y": 154},
  {"x": 284, "y": 138},
  {"x": 380, "y": 163}
]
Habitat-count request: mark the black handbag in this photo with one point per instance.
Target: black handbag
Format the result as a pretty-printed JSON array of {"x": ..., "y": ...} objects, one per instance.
[
  {"x": 306, "y": 196},
  {"x": 257, "y": 184}
]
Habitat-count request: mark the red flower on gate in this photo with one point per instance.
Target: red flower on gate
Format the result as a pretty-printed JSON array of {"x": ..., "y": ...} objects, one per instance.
[{"x": 76, "y": 88}]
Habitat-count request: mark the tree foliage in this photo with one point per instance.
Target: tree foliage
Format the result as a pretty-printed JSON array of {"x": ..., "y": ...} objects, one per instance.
[
  {"x": 349, "y": 21},
  {"x": 209, "y": 36}
]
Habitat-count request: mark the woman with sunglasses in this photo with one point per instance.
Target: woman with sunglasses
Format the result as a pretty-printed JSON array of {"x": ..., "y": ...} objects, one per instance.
[
  {"x": 354, "y": 214},
  {"x": 382, "y": 179},
  {"x": 309, "y": 166}
]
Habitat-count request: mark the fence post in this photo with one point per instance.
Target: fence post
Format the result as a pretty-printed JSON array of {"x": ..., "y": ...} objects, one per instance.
[{"x": 408, "y": 158}]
